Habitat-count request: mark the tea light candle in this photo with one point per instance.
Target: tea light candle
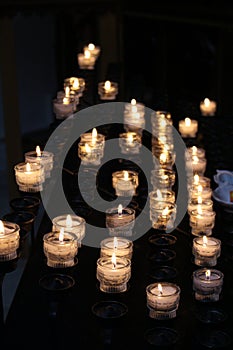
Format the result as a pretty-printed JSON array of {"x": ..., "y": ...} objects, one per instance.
[
  {"x": 76, "y": 85},
  {"x": 197, "y": 180},
  {"x": 93, "y": 49},
  {"x": 199, "y": 191},
  {"x": 41, "y": 157},
  {"x": 130, "y": 143},
  {"x": 125, "y": 182},
  {"x": 107, "y": 90},
  {"x": 188, "y": 127},
  {"x": 162, "y": 195},
  {"x": 166, "y": 159},
  {"x": 206, "y": 250},
  {"x": 71, "y": 224},
  {"x": 64, "y": 108},
  {"x": 195, "y": 151},
  {"x": 162, "y": 214},
  {"x": 122, "y": 247},
  {"x": 162, "y": 178},
  {"x": 93, "y": 139},
  {"x": 201, "y": 220},
  {"x": 135, "y": 107},
  {"x": 208, "y": 107},
  {"x": 195, "y": 203},
  {"x": 163, "y": 300},
  {"x": 86, "y": 60},
  {"x": 120, "y": 221},
  {"x": 29, "y": 176},
  {"x": 89, "y": 155},
  {"x": 9, "y": 240},
  {"x": 196, "y": 165},
  {"x": 207, "y": 284},
  {"x": 60, "y": 248},
  {"x": 113, "y": 273}
]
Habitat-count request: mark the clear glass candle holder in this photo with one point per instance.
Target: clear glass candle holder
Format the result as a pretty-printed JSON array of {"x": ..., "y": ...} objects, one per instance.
[
  {"x": 9, "y": 240},
  {"x": 188, "y": 127},
  {"x": 201, "y": 220},
  {"x": 166, "y": 195},
  {"x": 206, "y": 250},
  {"x": 86, "y": 60},
  {"x": 196, "y": 165},
  {"x": 29, "y": 176},
  {"x": 195, "y": 151},
  {"x": 130, "y": 143},
  {"x": 125, "y": 182},
  {"x": 93, "y": 49},
  {"x": 134, "y": 122},
  {"x": 90, "y": 155},
  {"x": 113, "y": 276},
  {"x": 122, "y": 247},
  {"x": 120, "y": 224},
  {"x": 94, "y": 140},
  {"x": 163, "y": 300},
  {"x": 135, "y": 107},
  {"x": 208, "y": 107},
  {"x": 164, "y": 159},
  {"x": 71, "y": 224},
  {"x": 60, "y": 250},
  {"x": 196, "y": 180},
  {"x": 207, "y": 284},
  {"x": 194, "y": 204},
  {"x": 162, "y": 178},
  {"x": 75, "y": 84},
  {"x": 63, "y": 108},
  {"x": 162, "y": 214},
  {"x": 45, "y": 158},
  {"x": 195, "y": 192},
  {"x": 107, "y": 90}
]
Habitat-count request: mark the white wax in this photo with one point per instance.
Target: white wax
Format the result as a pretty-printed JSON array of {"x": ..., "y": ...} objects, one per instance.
[{"x": 211, "y": 248}]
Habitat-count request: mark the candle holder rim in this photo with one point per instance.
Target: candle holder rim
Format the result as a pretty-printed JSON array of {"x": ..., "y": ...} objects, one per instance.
[
  {"x": 44, "y": 154},
  {"x": 199, "y": 272},
  {"x": 52, "y": 234},
  {"x": 12, "y": 225},
  {"x": 199, "y": 240},
  {"x": 126, "y": 262},
  {"x": 35, "y": 201},
  {"x": 151, "y": 286},
  {"x": 114, "y": 210},
  {"x": 109, "y": 239},
  {"x": 30, "y": 216},
  {"x": 21, "y": 167},
  {"x": 77, "y": 217}
]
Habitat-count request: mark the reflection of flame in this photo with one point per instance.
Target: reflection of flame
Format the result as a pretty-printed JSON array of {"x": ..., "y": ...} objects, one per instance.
[
  {"x": 199, "y": 200},
  {"x": 159, "y": 194},
  {"x": 199, "y": 188},
  {"x": 194, "y": 150},
  {"x": 195, "y": 159},
  {"x": 87, "y": 54},
  {"x": 207, "y": 274},
  {"x": 165, "y": 211},
  {"x": 87, "y": 148},
  {"x": 61, "y": 235},
  {"x": 130, "y": 138},
  {"x": 67, "y": 91},
  {"x": 120, "y": 208},
  {"x": 69, "y": 221},
  {"x": 199, "y": 210},
  {"x": 163, "y": 157},
  {"x": 76, "y": 84},
  {"x": 206, "y": 102},
  {"x": 160, "y": 288},
  {"x": 1, "y": 227},
  {"x": 38, "y": 152},
  {"x": 113, "y": 260},
  {"x": 205, "y": 240},
  {"x": 135, "y": 109},
  {"x": 115, "y": 242}
]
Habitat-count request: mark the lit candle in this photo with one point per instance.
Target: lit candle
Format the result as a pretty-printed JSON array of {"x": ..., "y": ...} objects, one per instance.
[
  {"x": 44, "y": 158},
  {"x": 125, "y": 182},
  {"x": 162, "y": 178},
  {"x": 94, "y": 139},
  {"x": 196, "y": 165},
  {"x": 196, "y": 180},
  {"x": 206, "y": 250},
  {"x": 163, "y": 300},
  {"x": 207, "y": 284},
  {"x": 86, "y": 60},
  {"x": 162, "y": 195},
  {"x": 162, "y": 214},
  {"x": 208, "y": 107},
  {"x": 130, "y": 143},
  {"x": 29, "y": 176},
  {"x": 76, "y": 85},
  {"x": 9, "y": 240},
  {"x": 91, "y": 147},
  {"x": 135, "y": 107},
  {"x": 60, "y": 248},
  {"x": 195, "y": 151},
  {"x": 199, "y": 191},
  {"x": 64, "y": 107},
  {"x": 93, "y": 49},
  {"x": 201, "y": 221},
  {"x": 188, "y": 127},
  {"x": 122, "y": 247},
  {"x": 107, "y": 90},
  {"x": 71, "y": 224},
  {"x": 120, "y": 221},
  {"x": 166, "y": 159},
  {"x": 203, "y": 204},
  {"x": 113, "y": 273}
]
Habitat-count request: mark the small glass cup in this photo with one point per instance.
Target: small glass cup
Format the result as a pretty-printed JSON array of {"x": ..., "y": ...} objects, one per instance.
[
  {"x": 9, "y": 240},
  {"x": 206, "y": 250},
  {"x": 130, "y": 143},
  {"x": 71, "y": 224},
  {"x": 162, "y": 215},
  {"x": 107, "y": 92},
  {"x": 29, "y": 176},
  {"x": 120, "y": 224},
  {"x": 200, "y": 221},
  {"x": 125, "y": 182},
  {"x": 122, "y": 247},
  {"x": 162, "y": 178},
  {"x": 207, "y": 284}
]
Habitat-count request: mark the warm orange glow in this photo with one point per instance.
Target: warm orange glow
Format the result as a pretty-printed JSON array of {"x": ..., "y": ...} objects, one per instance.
[
  {"x": 87, "y": 54},
  {"x": 1, "y": 227},
  {"x": 107, "y": 85},
  {"x": 66, "y": 101},
  {"x": 126, "y": 175},
  {"x": 28, "y": 167}
]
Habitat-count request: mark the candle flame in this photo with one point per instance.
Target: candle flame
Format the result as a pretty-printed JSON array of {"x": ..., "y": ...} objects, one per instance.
[
  {"x": 159, "y": 194},
  {"x": 69, "y": 221},
  {"x": 207, "y": 274},
  {"x": 87, "y": 54},
  {"x": 1, "y": 227},
  {"x": 75, "y": 84},
  {"x": 199, "y": 188},
  {"x": 115, "y": 242},
  {"x": 163, "y": 157},
  {"x": 205, "y": 240},
  {"x": 120, "y": 209},
  {"x": 61, "y": 235},
  {"x": 165, "y": 211},
  {"x": 195, "y": 159},
  {"x": 67, "y": 91},
  {"x": 206, "y": 102},
  {"x": 196, "y": 179},
  {"x": 91, "y": 46},
  {"x": 133, "y": 102},
  {"x": 28, "y": 167},
  {"x": 187, "y": 121},
  {"x": 194, "y": 150},
  {"x": 126, "y": 175},
  {"x": 113, "y": 260},
  {"x": 107, "y": 85},
  {"x": 66, "y": 101},
  {"x": 199, "y": 210},
  {"x": 87, "y": 148},
  {"x": 199, "y": 200},
  {"x": 94, "y": 136},
  {"x": 130, "y": 138},
  {"x": 160, "y": 288},
  {"x": 38, "y": 152}
]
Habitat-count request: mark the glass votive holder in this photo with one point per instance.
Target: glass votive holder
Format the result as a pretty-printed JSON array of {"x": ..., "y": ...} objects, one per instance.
[
  {"x": 94, "y": 140},
  {"x": 188, "y": 128},
  {"x": 207, "y": 284},
  {"x": 134, "y": 107},
  {"x": 9, "y": 240},
  {"x": 196, "y": 180},
  {"x": 120, "y": 222},
  {"x": 107, "y": 90},
  {"x": 162, "y": 215},
  {"x": 25, "y": 203},
  {"x": 75, "y": 84},
  {"x": 195, "y": 203},
  {"x": 195, "y": 151},
  {"x": 162, "y": 194},
  {"x": 63, "y": 108},
  {"x": 165, "y": 159},
  {"x": 130, "y": 142},
  {"x": 86, "y": 60},
  {"x": 93, "y": 49},
  {"x": 89, "y": 155},
  {"x": 158, "y": 116},
  {"x": 208, "y": 107},
  {"x": 196, "y": 165},
  {"x": 29, "y": 176},
  {"x": 25, "y": 219},
  {"x": 60, "y": 249},
  {"x": 71, "y": 224},
  {"x": 201, "y": 220},
  {"x": 41, "y": 157},
  {"x": 206, "y": 250},
  {"x": 113, "y": 274},
  {"x": 196, "y": 192},
  {"x": 122, "y": 247},
  {"x": 162, "y": 178},
  {"x": 163, "y": 300},
  {"x": 125, "y": 182}
]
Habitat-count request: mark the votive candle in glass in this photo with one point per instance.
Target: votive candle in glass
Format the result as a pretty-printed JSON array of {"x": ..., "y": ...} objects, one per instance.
[
  {"x": 93, "y": 49},
  {"x": 86, "y": 60},
  {"x": 125, "y": 182},
  {"x": 41, "y": 157},
  {"x": 9, "y": 240},
  {"x": 60, "y": 248},
  {"x": 71, "y": 224},
  {"x": 75, "y": 84},
  {"x": 130, "y": 142},
  {"x": 120, "y": 221},
  {"x": 29, "y": 176},
  {"x": 163, "y": 300},
  {"x": 203, "y": 204},
  {"x": 196, "y": 165},
  {"x": 162, "y": 214},
  {"x": 113, "y": 273},
  {"x": 64, "y": 108},
  {"x": 199, "y": 191},
  {"x": 207, "y": 284},
  {"x": 195, "y": 151},
  {"x": 208, "y": 107},
  {"x": 206, "y": 250},
  {"x": 162, "y": 178},
  {"x": 162, "y": 194},
  {"x": 196, "y": 180},
  {"x": 135, "y": 107},
  {"x": 122, "y": 247},
  {"x": 165, "y": 159},
  {"x": 188, "y": 127},
  {"x": 107, "y": 90},
  {"x": 201, "y": 220}
]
